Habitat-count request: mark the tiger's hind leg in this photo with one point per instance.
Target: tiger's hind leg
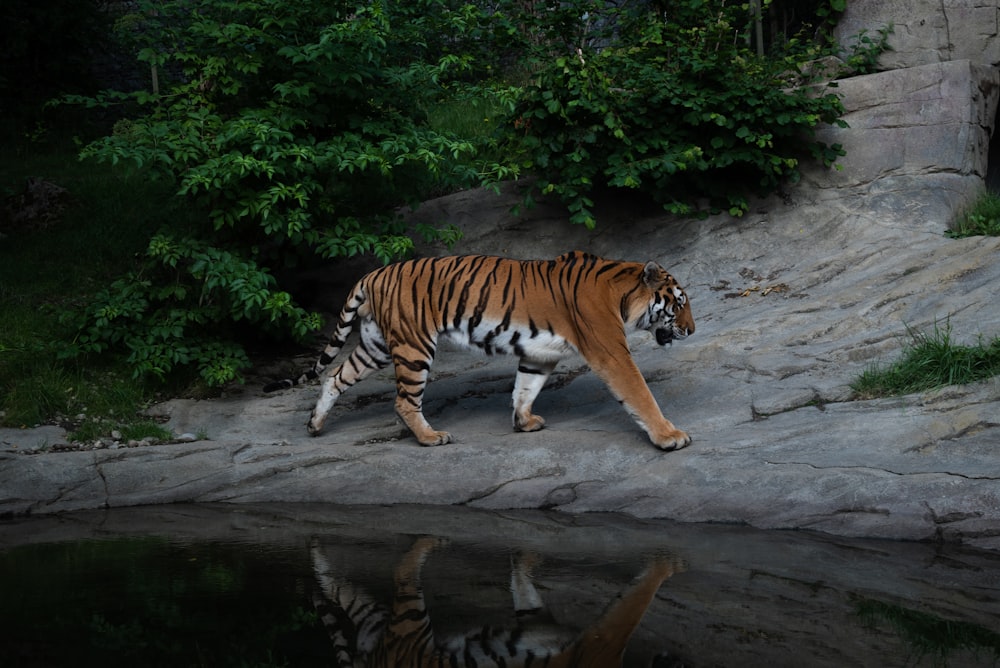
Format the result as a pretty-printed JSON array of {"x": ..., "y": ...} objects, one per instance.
[
  {"x": 531, "y": 377},
  {"x": 409, "y": 639},
  {"x": 355, "y": 622},
  {"x": 370, "y": 355},
  {"x": 413, "y": 365}
]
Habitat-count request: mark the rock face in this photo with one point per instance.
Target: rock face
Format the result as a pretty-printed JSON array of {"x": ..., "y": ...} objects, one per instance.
[
  {"x": 792, "y": 302},
  {"x": 927, "y": 31}
]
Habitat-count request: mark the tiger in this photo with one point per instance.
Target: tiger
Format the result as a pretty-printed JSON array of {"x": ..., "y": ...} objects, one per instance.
[
  {"x": 367, "y": 634},
  {"x": 539, "y": 310}
]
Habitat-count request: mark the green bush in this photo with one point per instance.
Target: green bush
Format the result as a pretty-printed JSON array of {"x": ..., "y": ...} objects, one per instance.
[
  {"x": 295, "y": 130},
  {"x": 677, "y": 105}
]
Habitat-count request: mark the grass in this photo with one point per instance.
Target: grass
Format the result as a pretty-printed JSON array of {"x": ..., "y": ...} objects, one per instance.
[
  {"x": 931, "y": 360},
  {"x": 982, "y": 219},
  {"x": 929, "y": 635},
  {"x": 46, "y": 273},
  {"x": 475, "y": 120}
]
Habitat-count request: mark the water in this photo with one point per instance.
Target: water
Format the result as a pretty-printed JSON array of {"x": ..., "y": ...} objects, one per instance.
[{"x": 236, "y": 585}]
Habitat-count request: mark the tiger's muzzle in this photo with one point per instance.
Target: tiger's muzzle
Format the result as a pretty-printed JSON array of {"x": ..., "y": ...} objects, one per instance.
[{"x": 665, "y": 335}]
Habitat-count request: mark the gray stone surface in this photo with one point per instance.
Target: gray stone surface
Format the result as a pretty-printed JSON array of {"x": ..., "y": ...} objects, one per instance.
[{"x": 792, "y": 302}]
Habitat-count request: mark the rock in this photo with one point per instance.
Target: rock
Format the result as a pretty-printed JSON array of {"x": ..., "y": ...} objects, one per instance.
[
  {"x": 38, "y": 439},
  {"x": 40, "y": 205},
  {"x": 891, "y": 136},
  {"x": 792, "y": 302}
]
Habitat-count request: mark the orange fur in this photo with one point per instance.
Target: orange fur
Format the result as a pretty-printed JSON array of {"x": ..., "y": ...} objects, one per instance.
[{"x": 539, "y": 310}]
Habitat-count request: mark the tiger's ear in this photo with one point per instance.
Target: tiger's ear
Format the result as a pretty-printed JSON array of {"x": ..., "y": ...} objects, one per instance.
[{"x": 654, "y": 276}]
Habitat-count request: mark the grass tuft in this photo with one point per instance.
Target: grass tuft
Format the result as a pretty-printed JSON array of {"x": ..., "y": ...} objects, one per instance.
[
  {"x": 982, "y": 219},
  {"x": 929, "y": 635},
  {"x": 931, "y": 360}
]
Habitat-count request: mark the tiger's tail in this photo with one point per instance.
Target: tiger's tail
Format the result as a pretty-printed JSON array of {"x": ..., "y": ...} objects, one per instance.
[{"x": 333, "y": 347}]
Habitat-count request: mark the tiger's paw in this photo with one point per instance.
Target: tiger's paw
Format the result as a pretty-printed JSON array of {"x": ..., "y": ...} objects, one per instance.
[
  {"x": 531, "y": 423},
  {"x": 435, "y": 438},
  {"x": 314, "y": 427},
  {"x": 672, "y": 440}
]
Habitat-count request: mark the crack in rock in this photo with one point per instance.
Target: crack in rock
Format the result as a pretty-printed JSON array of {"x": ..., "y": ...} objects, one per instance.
[
  {"x": 551, "y": 472},
  {"x": 864, "y": 510},
  {"x": 816, "y": 467},
  {"x": 563, "y": 495},
  {"x": 948, "y": 518},
  {"x": 104, "y": 481}
]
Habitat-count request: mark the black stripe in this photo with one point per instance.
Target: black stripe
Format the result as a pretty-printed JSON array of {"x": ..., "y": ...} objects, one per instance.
[{"x": 412, "y": 365}]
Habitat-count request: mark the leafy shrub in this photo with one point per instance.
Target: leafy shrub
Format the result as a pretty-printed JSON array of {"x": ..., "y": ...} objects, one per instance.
[
  {"x": 164, "y": 326},
  {"x": 863, "y": 54},
  {"x": 676, "y": 106},
  {"x": 296, "y": 129}
]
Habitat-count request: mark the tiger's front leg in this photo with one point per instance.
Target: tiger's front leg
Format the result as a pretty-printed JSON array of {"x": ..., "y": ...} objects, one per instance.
[{"x": 626, "y": 383}]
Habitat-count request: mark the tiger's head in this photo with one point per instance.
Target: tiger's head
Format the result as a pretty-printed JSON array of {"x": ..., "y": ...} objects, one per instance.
[{"x": 668, "y": 311}]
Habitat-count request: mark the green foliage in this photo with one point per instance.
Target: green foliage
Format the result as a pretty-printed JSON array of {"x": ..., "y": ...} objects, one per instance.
[
  {"x": 677, "y": 106},
  {"x": 864, "y": 53},
  {"x": 164, "y": 326},
  {"x": 296, "y": 129},
  {"x": 930, "y": 361},
  {"x": 982, "y": 219}
]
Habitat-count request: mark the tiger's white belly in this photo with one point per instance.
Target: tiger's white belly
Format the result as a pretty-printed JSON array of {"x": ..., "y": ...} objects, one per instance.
[{"x": 538, "y": 344}]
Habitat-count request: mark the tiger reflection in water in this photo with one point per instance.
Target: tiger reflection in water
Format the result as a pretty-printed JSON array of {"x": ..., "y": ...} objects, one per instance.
[{"x": 367, "y": 634}]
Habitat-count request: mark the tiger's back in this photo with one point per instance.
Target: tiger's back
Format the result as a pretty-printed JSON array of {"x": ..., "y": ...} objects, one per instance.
[{"x": 539, "y": 310}]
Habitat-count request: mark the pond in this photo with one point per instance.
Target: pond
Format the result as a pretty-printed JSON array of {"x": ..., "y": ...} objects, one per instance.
[{"x": 326, "y": 585}]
